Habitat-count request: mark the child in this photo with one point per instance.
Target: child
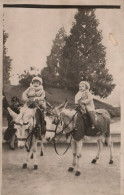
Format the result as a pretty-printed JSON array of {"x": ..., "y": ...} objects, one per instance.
[
  {"x": 85, "y": 100},
  {"x": 35, "y": 93}
]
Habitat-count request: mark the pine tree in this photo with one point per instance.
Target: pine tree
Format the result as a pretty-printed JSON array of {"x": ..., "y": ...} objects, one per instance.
[
  {"x": 6, "y": 61},
  {"x": 51, "y": 73},
  {"x": 84, "y": 55}
]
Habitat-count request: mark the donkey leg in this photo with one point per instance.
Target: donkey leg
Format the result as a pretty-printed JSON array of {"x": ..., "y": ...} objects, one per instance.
[
  {"x": 28, "y": 154},
  {"x": 12, "y": 142},
  {"x": 42, "y": 148},
  {"x": 110, "y": 145},
  {"x": 79, "y": 151},
  {"x": 99, "y": 148},
  {"x": 73, "y": 145},
  {"x": 34, "y": 148}
]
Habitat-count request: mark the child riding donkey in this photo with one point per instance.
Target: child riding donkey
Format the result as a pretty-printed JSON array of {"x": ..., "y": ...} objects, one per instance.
[
  {"x": 34, "y": 96},
  {"x": 84, "y": 100}
]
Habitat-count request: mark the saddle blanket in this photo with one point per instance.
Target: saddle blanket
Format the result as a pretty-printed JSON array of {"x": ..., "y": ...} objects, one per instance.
[{"x": 84, "y": 124}]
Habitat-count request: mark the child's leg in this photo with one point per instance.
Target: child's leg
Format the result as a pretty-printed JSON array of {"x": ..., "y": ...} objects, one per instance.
[
  {"x": 94, "y": 118},
  {"x": 42, "y": 121}
]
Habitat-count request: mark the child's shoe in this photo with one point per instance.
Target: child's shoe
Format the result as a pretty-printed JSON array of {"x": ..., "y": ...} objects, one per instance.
[{"x": 93, "y": 127}]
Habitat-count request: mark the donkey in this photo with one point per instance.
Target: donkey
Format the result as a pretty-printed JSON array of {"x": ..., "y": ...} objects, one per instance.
[
  {"x": 28, "y": 131},
  {"x": 77, "y": 125}
]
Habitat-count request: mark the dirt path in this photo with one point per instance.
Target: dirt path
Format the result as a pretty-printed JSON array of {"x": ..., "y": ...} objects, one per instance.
[{"x": 52, "y": 177}]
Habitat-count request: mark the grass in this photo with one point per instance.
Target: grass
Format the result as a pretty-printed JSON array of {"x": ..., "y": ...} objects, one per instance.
[{"x": 57, "y": 96}]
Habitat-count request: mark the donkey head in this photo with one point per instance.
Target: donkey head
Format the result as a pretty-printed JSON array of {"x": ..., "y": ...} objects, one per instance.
[
  {"x": 56, "y": 111},
  {"x": 23, "y": 122}
]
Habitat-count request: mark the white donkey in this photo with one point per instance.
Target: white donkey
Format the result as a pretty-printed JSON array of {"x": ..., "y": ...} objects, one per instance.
[
  {"x": 72, "y": 120},
  {"x": 27, "y": 125}
]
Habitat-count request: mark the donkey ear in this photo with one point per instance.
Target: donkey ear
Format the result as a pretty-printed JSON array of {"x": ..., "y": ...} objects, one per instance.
[
  {"x": 12, "y": 113},
  {"x": 49, "y": 105},
  {"x": 63, "y": 105}
]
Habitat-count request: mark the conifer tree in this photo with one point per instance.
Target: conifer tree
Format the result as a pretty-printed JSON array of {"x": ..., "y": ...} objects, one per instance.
[
  {"x": 84, "y": 55},
  {"x": 6, "y": 61},
  {"x": 52, "y": 71}
]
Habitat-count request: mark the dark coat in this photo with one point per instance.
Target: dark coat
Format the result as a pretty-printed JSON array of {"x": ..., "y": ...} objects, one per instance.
[{"x": 15, "y": 106}]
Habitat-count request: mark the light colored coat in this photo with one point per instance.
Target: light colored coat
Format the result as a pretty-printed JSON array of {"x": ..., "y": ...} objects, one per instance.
[
  {"x": 85, "y": 98},
  {"x": 34, "y": 93}
]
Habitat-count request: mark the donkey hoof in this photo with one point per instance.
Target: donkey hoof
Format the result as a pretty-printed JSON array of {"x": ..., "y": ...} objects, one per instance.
[
  {"x": 35, "y": 167},
  {"x": 24, "y": 166},
  {"x": 111, "y": 162},
  {"x": 70, "y": 169},
  {"x": 32, "y": 156},
  {"x": 41, "y": 153},
  {"x": 12, "y": 148},
  {"x": 77, "y": 173},
  {"x": 93, "y": 161}
]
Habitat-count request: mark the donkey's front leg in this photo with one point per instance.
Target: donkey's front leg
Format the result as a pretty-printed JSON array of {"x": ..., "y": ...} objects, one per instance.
[
  {"x": 28, "y": 155},
  {"x": 99, "y": 148},
  {"x": 42, "y": 147},
  {"x": 78, "y": 153},
  {"x": 73, "y": 145},
  {"x": 34, "y": 149}
]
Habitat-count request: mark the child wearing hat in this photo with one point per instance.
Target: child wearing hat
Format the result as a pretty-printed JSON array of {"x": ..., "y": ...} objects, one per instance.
[
  {"x": 35, "y": 93},
  {"x": 85, "y": 100}
]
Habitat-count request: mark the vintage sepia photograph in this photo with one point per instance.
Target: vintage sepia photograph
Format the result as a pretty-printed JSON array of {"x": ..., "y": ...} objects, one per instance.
[{"x": 61, "y": 99}]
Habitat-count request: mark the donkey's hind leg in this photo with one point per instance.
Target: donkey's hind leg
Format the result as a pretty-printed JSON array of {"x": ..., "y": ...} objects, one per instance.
[
  {"x": 110, "y": 145},
  {"x": 79, "y": 151},
  {"x": 99, "y": 147}
]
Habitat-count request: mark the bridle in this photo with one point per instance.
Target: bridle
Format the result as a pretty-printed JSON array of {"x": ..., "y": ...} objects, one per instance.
[
  {"x": 61, "y": 132},
  {"x": 19, "y": 124}
]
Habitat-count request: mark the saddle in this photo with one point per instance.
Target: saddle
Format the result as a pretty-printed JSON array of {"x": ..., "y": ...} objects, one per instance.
[
  {"x": 102, "y": 126},
  {"x": 103, "y": 112}
]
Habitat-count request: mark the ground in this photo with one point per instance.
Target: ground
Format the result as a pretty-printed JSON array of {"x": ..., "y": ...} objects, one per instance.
[{"x": 52, "y": 177}]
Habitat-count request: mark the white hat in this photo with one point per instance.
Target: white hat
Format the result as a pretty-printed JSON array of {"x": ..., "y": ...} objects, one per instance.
[
  {"x": 86, "y": 83},
  {"x": 37, "y": 79}
]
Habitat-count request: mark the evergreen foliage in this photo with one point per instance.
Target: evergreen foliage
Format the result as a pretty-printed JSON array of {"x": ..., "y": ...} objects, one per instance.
[
  {"x": 84, "y": 56},
  {"x": 50, "y": 74},
  {"x": 6, "y": 61}
]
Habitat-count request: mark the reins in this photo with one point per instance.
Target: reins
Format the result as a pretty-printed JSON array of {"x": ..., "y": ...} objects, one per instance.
[
  {"x": 66, "y": 148},
  {"x": 66, "y": 125},
  {"x": 30, "y": 134},
  {"x": 54, "y": 142}
]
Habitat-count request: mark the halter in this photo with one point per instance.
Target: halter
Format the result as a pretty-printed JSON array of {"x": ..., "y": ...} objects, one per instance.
[
  {"x": 30, "y": 134},
  {"x": 65, "y": 126},
  {"x": 21, "y": 139},
  {"x": 19, "y": 124},
  {"x": 53, "y": 139}
]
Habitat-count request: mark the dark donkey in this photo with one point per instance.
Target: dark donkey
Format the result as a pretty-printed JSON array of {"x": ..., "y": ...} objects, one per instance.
[{"x": 78, "y": 126}]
